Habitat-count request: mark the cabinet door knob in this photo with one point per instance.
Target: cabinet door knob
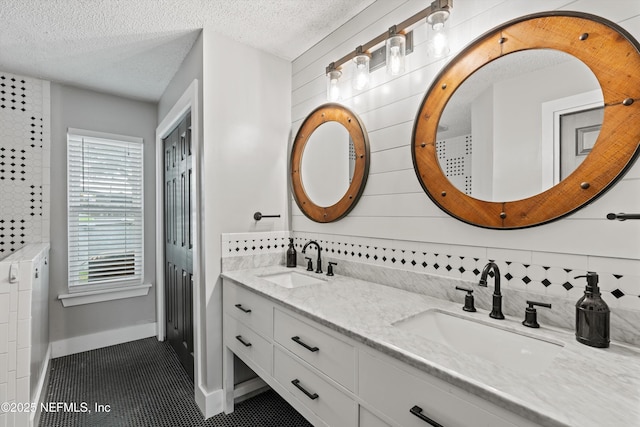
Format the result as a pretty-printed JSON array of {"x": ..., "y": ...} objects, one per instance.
[{"x": 417, "y": 411}]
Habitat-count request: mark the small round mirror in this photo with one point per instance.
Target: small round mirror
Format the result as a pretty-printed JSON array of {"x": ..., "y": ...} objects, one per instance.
[{"x": 329, "y": 163}]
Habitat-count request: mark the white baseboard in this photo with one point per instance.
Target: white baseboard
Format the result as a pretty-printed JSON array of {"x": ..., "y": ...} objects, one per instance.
[
  {"x": 41, "y": 389},
  {"x": 82, "y": 343},
  {"x": 209, "y": 403}
]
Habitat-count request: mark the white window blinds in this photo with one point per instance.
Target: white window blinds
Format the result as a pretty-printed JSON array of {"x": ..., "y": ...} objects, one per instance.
[{"x": 105, "y": 209}]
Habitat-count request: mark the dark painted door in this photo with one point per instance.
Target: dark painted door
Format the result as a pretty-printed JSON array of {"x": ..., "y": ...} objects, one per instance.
[{"x": 178, "y": 276}]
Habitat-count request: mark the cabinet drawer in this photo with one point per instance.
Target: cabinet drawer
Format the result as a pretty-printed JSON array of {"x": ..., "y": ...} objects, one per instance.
[
  {"x": 320, "y": 397},
  {"x": 249, "y": 308},
  {"x": 333, "y": 357},
  {"x": 367, "y": 419},
  {"x": 395, "y": 392},
  {"x": 246, "y": 343}
]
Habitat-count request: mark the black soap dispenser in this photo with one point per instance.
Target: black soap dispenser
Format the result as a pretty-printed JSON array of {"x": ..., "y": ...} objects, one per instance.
[
  {"x": 592, "y": 315},
  {"x": 292, "y": 258}
]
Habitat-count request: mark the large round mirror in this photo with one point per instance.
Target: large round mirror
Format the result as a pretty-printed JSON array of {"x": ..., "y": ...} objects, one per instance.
[
  {"x": 329, "y": 163},
  {"x": 576, "y": 78},
  {"x": 490, "y": 140}
]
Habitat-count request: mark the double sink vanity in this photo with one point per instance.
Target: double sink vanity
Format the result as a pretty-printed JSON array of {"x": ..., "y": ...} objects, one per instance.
[{"x": 347, "y": 352}]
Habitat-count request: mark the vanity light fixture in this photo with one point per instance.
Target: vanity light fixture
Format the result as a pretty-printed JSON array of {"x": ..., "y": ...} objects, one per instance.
[
  {"x": 360, "y": 79},
  {"x": 396, "y": 43},
  {"x": 438, "y": 40},
  {"x": 333, "y": 81}
]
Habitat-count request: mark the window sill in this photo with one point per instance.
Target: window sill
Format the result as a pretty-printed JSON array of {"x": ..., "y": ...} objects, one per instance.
[{"x": 89, "y": 297}]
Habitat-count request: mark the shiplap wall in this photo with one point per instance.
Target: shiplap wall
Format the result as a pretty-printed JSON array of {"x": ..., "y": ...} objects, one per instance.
[{"x": 393, "y": 205}]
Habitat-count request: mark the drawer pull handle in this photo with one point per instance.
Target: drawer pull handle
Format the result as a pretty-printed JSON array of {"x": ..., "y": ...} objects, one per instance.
[
  {"x": 312, "y": 396},
  {"x": 240, "y": 307},
  {"x": 246, "y": 344},
  {"x": 417, "y": 411},
  {"x": 307, "y": 346}
]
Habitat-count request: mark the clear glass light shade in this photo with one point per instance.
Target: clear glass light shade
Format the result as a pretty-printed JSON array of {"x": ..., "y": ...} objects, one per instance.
[
  {"x": 360, "y": 79},
  {"x": 333, "y": 85},
  {"x": 396, "y": 46},
  {"x": 438, "y": 44}
]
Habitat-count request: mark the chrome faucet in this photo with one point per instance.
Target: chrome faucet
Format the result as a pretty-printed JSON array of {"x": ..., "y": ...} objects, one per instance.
[
  {"x": 496, "y": 309},
  {"x": 304, "y": 249}
]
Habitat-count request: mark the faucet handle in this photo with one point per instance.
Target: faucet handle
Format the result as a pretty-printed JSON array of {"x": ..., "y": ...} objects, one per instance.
[
  {"x": 531, "y": 314},
  {"x": 330, "y": 268},
  {"x": 468, "y": 299},
  {"x": 309, "y": 263}
]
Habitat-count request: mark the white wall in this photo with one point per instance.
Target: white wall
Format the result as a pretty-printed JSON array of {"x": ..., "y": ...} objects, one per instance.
[
  {"x": 191, "y": 68},
  {"x": 85, "y": 109},
  {"x": 388, "y": 109},
  {"x": 246, "y": 105},
  {"x": 395, "y": 208}
]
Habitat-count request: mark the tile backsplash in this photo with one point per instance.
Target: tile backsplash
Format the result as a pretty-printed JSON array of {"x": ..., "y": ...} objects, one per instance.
[
  {"x": 548, "y": 274},
  {"x": 547, "y": 277}
]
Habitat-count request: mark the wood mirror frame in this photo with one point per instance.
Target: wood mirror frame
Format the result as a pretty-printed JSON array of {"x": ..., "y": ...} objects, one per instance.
[
  {"x": 613, "y": 56},
  {"x": 353, "y": 124}
]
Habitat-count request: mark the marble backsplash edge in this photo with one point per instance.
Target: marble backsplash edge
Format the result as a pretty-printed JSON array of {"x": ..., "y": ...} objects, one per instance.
[
  {"x": 561, "y": 315},
  {"x": 252, "y": 261}
]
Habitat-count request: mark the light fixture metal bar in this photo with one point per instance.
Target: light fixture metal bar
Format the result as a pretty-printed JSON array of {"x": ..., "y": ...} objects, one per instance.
[{"x": 435, "y": 6}]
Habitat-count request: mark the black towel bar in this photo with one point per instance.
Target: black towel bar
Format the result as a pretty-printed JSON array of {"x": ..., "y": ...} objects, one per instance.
[
  {"x": 258, "y": 216},
  {"x": 622, "y": 216}
]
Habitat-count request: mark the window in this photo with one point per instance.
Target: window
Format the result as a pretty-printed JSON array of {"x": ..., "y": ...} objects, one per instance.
[{"x": 105, "y": 210}]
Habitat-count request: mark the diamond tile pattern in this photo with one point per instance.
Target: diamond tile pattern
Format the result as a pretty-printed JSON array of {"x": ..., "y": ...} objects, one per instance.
[{"x": 539, "y": 279}]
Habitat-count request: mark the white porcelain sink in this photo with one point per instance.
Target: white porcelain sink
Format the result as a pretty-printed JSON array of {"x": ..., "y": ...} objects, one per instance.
[
  {"x": 519, "y": 352},
  {"x": 292, "y": 279}
]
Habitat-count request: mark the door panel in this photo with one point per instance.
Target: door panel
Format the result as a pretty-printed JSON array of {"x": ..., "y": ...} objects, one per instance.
[{"x": 178, "y": 243}]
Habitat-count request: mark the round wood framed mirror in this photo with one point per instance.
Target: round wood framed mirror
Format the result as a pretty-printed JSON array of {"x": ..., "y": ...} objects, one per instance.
[
  {"x": 329, "y": 163},
  {"x": 609, "y": 52}
]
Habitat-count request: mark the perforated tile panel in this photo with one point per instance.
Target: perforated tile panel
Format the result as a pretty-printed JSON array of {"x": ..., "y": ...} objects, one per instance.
[
  {"x": 455, "y": 159},
  {"x": 23, "y": 161},
  {"x": 145, "y": 385}
]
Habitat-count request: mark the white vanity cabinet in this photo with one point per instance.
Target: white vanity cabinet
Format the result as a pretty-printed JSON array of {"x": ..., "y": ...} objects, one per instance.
[
  {"x": 295, "y": 358},
  {"x": 248, "y": 326},
  {"x": 325, "y": 352},
  {"x": 314, "y": 391},
  {"x": 415, "y": 399},
  {"x": 333, "y": 380},
  {"x": 367, "y": 419}
]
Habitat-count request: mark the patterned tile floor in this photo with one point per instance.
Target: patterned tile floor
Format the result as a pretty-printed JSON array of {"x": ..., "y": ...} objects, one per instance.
[{"x": 144, "y": 385}]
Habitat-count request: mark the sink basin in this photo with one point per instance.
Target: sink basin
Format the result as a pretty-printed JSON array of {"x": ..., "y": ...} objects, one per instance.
[
  {"x": 292, "y": 279},
  {"x": 509, "y": 349}
]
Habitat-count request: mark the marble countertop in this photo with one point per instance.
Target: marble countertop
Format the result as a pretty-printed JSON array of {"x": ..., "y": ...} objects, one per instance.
[{"x": 583, "y": 386}]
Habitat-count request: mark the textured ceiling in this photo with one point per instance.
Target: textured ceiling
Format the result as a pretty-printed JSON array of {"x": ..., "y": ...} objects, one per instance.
[{"x": 134, "y": 47}]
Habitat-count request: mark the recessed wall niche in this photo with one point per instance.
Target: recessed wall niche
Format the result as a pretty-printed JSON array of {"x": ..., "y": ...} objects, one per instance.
[{"x": 24, "y": 161}]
